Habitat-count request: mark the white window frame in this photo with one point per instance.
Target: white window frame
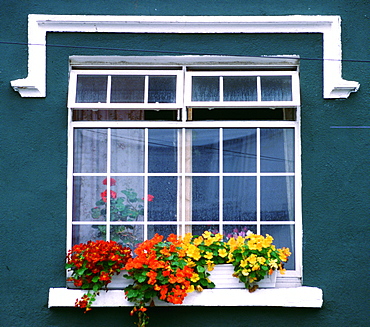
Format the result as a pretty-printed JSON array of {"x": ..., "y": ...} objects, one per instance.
[{"x": 289, "y": 292}]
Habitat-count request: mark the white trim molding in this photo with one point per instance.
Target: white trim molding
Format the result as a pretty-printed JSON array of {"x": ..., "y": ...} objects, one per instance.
[
  {"x": 335, "y": 87},
  {"x": 297, "y": 297}
]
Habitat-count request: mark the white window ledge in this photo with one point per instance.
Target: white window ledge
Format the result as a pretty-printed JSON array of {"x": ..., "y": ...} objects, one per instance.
[
  {"x": 335, "y": 87},
  {"x": 299, "y": 297}
]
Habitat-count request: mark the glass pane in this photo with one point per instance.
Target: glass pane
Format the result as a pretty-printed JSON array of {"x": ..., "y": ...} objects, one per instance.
[
  {"x": 276, "y": 88},
  {"x": 277, "y": 150},
  {"x": 205, "y": 150},
  {"x": 162, "y": 89},
  {"x": 240, "y": 150},
  {"x": 205, "y": 195},
  {"x": 164, "y": 230},
  {"x": 238, "y": 230},
  {"x": 283, "y": 237},
  {"x": 162, "y": 198},
  {"x": 240, "y": 88},
  {"x": 127, "y": 195},
  {"x": 205, "y": 88},
  {"x": 127, "y": 235},
  {"x": 87, "y": 199},
  {"x": 90, "y": 151},
  {"x": 200, "y": 229},
  {"x": 127, "y": 89},
  {"x": 91, "y": 89},
  {"x": 163, "y": 150},
  {"x": 84, "y": 233},
  {"x": 277, "y": 198},
  {"x": 127, "y": 151},
  {"x": 239, "y": 199}
]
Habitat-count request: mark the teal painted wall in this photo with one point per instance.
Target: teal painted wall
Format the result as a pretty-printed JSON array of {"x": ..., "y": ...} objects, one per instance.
[{"x": 335, "y": 162}]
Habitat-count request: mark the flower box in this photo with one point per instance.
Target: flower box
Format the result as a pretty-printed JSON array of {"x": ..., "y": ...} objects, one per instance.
[
  {"x": 118, "y": 282},
  {"x": 222, "y": 277}
]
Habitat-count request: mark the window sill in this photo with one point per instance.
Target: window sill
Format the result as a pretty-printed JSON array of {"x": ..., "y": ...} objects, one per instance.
[{"x": 299, "y": 297}]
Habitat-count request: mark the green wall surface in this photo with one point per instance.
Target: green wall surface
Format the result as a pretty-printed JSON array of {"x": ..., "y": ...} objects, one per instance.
[{"x": 335, "y": 161}]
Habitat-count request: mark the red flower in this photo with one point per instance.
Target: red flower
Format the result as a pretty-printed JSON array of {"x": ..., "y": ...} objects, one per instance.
[
  {"x": 149, "y": 198},
  {"x": 103, "y": 195},
  {"x": 112, "y": 182}
]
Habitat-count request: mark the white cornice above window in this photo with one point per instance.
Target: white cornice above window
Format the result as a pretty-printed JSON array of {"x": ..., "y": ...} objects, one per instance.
[{"x": 335, "y": 87}]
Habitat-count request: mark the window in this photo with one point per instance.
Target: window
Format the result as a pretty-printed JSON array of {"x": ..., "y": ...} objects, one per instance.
[{"x": 185, "y": 148}]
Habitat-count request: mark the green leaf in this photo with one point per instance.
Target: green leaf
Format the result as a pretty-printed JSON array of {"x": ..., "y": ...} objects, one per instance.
[
  {"x": 95, "y": 288},
  {"x": 95, "y": 279}
]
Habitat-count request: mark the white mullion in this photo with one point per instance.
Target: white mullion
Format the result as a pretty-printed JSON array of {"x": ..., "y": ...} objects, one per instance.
[
  {"x": 221, "y": 83},
  {"x": 109, "y": 152},
  {"x": 183, "y": 180},
  {"x": 146, "y": 164},
  {"x": 221, "y": 183},
  {"x": 70, "y": 181},
  {"x": 146, "y": 89},
  {"x": 258, "y": 180},
  {"x": 259, "y": 94},
  {"x": 109, "y": 87}
]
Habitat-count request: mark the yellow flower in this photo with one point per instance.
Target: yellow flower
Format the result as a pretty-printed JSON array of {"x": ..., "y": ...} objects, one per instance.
[
  {"x": 256, "y": 267},
  {"x": 190, "y": 263},
  {"x": 218, "y": 237},
  {"x": 199, "y": 288},
  {"x": 245, "y": 272},
  {"x": 230, "y": 257},
  {"x": 207, "y": 234},
  {"x": 243, "y": 263},
  {"x": 198, "y": 240},
  {"x": 193, "y": 252},
  {"x": 261, "y": 260},
  {"x": 208, "y": 241},
  {"x": 222, "y": 253},
  {"x": 195, "y": 277},
  {"x": 210, "y": 265},
  {"x": 208, "y": 255},
  {"x": 190, "y": 289},
  {"x": 252, "y": 259}
]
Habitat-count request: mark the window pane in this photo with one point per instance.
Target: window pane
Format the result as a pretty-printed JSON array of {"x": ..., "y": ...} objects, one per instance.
[
  {"x": 164, "y": 230},
  {"x": 276, "y": 88},
  {"x": 127, "y": 151},
  {"x": 162, "y": 89},
  {"x": 91, "y": 89},
  {"x": 162, "y": 198},
  {"x": 240, "y": 88},
  {"x": 239, "y": 200},
  {"x": 85, "y": 233},
  {"x": 205, "y": 196},
  {"x": 87, "y": 191},
  {"x": 127, "y": 235},
  {"x": 205, "y": 150},
  {"x": 163, "y": 150},
  {"x": 205, "y": 88},
  {"x": 239, "y": 150},
  {"x": 200, "y": 229},
  {"x": 238, "y": 230},
  {"x": 283, "y": 237},
  {"x": 90, "y": 152},
  {"x": 277, "y": 150},
  {"x": 277, "y": 198},
  {"x": 127, "y": 89}
]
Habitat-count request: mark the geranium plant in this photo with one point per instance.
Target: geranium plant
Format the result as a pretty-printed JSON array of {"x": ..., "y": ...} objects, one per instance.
[
  {"x": 92, "y": 265},
  {"x": 126, "y": 207},
  {"x": 254, "y": 256},
  {"x": 159, "y": 269}
]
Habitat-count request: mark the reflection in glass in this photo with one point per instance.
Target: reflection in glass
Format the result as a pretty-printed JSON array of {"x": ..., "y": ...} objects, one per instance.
[
  {"x": 90, "y": 156},
  {"x": 240, "y": 88},
  {"x": 87, "y": 191},
  {"x": 162, "y": 89},
  {"x": 127, "y": 89},
  {"x": 85, "y": 233},
  {"x": 200, "y": 229},
  {"x": 238, "y": 230},
  {"x": 276, "y": 88},
  {"x": 205, "y": 195},
  {"x": 162, "y": 201},
  {"x": 277, "y": 150},
  {"x": 127, "y": 235},
  {"x": 91, "y": 89},
  {"x": 127, "y": 154},
  {"x": 239, "y": 203},
  {"x": 205, "y": 88},
  {"x": 283, "y": 237},
  {"x": 239, "y": 153},
  {"x": 205, "y": 150},
  {"x": 164, "y": 230},
  {"x": 162, "y": 150},
  {"x": 277, "y": 198}
]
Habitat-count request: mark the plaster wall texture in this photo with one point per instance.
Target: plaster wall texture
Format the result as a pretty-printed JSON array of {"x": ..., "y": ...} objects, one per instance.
[{"x": 335, "y": 162}]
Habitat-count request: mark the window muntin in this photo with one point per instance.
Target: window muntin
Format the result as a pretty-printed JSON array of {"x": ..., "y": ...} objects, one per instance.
[{"x": 218, "y": 175}]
